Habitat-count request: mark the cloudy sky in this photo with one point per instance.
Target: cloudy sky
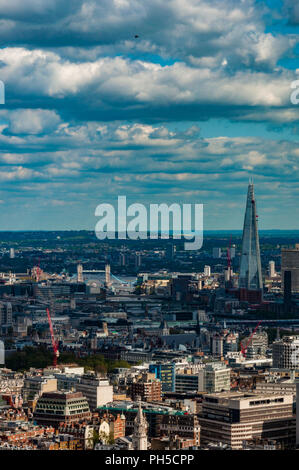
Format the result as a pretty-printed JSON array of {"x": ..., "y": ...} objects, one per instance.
[{"x": 185, "y": 112}]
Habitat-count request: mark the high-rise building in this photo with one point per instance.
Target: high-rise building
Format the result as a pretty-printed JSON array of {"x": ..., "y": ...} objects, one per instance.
[
  {"x": 147, "y": 387},
  {"x": 5, "y": 314},
  {"x": 80, "y": 273},
  {"x": 232, "y": 251},
  {"x": 2, "y": 353},
  {"x": 290, "y": 262},
  {"x": 216, "y": 252},
  {"x": 165, "y": 372},
  {"x": 207, "y": 271},
  {"x": 258, "y": 344},
  {"x": 272, "y": 272},
  {"x": 107, "y": 275},
  {"x": 250, "y": 277},
  {"x": 12, "y": 253},
  {"x": 287, "y": 288}
]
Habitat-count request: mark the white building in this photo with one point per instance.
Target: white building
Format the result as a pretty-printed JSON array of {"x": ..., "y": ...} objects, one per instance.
[
  {"x": 272, "y": 272},
  {"x": 98, "y": 391},
  {"x": 207, "y": 271}
]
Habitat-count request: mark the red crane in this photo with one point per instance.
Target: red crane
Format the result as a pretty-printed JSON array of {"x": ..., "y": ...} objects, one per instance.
[
  {"x": 54, "y": 343},
  {"x": 244, "y": 349}
]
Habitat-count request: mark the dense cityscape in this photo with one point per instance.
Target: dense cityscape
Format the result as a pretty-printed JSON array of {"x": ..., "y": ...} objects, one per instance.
[{"x": 140, "y": 345}]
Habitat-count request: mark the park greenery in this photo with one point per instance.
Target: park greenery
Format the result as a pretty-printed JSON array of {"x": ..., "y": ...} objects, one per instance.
[{"x": 41, "y": 357}]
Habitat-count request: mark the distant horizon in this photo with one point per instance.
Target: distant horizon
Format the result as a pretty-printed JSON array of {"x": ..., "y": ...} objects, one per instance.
[{"x": 205, "y": 231}]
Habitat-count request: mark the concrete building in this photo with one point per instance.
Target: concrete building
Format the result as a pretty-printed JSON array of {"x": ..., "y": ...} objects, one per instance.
[
  {"x": 214, "y": 377},
  {"x": 53, "y": 408},
  {"x": 207, "y": 271},
  {"x": 185, "y": 383},
  {"x": 272, "y": 272},
  {"x": 216, "y": 252},
  {"x": 146, "y": 387},
  {"x": 285, "y": 353},
  {"x": 250, "y": 277},
  {"x": 97, "y": 391},
  {"x": 184, "y": 426},
  {"x": 232, "y": 418},
  {"x": 258, "y": 344},
  {"x": 217, "y": 345},
  {"x": 35, "y": 386},
  {"x": 290, "y": 262}
]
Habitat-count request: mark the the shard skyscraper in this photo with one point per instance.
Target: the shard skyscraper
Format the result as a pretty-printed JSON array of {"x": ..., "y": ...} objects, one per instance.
[{"x": 250, "y": 277}]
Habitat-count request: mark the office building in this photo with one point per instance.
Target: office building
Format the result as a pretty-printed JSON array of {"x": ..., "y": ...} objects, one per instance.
[
  {"x": 290, "y": 262},
  {"x": 213, "y": 377},
  {"x": 146, "y": 387},
  {"x": 286, "y": 353},
  {"x": 97, "y": 391},
  {"x": 207, "y": 271},
  {"x": 272, "y": 272},
  {"x": 165, "y": 372},
  {"x": 53, "y": 408},
  {"x": 235, "y": 417},
  {"x": 217, "y": 345},
  {"x": 35, "y": 386},
  {"x": 139, "y": 438},
  {"x": 250, "y": 277},
  {"x": 5, "y": 314},
  {"x": 216, "y": 252}
]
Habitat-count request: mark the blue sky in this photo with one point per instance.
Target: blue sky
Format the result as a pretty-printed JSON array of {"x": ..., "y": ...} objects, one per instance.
[{"x": 188, "y": 111}]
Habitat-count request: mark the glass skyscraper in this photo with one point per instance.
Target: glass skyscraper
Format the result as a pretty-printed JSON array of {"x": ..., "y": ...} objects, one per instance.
[{"x": 250, "y": 267}]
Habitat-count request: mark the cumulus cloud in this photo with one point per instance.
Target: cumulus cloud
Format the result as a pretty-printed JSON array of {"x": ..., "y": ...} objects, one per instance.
[
  {"x": 110, "y": 86},
  {"x": 31, "y": 121},
  {"x": 93, "y": 111}
]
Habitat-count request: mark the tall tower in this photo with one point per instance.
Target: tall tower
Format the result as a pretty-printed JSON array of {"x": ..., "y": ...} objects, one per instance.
[
  {"x": 250, "y": 277},
  {"x": 139, "y": 438},
  {"x": 80, "y": 273}
]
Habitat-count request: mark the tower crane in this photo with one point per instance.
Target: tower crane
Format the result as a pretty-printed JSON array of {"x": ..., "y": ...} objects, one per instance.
[{"x": 54, "y": 342}]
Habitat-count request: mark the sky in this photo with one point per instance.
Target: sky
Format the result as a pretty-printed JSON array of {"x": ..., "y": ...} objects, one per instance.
[{"x": 162, "y": 101}]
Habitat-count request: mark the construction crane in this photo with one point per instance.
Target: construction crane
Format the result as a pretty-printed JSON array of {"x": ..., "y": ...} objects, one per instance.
[
  {"x": 244, "y": 349},
  {"x": 54, "y": 343}
]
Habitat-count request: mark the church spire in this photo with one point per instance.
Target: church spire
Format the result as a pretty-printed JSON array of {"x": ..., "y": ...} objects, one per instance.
[{"x": 139, "y": 438}]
